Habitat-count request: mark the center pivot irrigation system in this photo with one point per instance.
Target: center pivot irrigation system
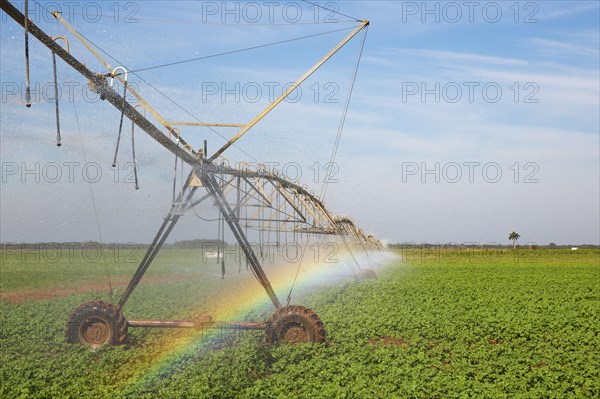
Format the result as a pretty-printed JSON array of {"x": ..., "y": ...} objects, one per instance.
[{"x": 259, "y": 199}]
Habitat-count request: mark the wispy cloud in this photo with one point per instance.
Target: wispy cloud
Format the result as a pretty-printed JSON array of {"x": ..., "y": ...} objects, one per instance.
[
  {"x": 456, "y": 57},
  {"x": 567, "y": 9},
  {"x": 563, "y": 48},
  {"x": 560, "y": 132}
]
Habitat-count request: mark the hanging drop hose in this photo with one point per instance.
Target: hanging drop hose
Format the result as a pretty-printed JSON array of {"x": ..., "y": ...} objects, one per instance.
[
  {"x": 177, "y": 134},
  {"x": 350, "y": 252},
  {"x": 260, "y": 243},
  {"x": 114, "y": 164},
  {"x": 56, "y": 99},
  {"x": 27, "y": 83},
  {"x": 135, "y": 176},
  {"x": 218, "y": 237},
  {"x": 222, "y": 239},
  {"x": 221, "y": 242},
  {"x": 182, "y": 178},
  {"x": 239, "y": 260},
  {"x": 175, "y": 172},
  {"x": 246, "y": 223}
]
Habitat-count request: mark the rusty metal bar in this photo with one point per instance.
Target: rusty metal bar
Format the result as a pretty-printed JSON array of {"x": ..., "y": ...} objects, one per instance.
[
  {"x": 206, "y": 124},
  {"x": 222, "y": 325},
  {"x": 162, "y": 323}
]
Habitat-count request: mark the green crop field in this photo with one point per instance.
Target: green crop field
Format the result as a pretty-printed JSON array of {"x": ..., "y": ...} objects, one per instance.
[{"x": 434, "y": 325}]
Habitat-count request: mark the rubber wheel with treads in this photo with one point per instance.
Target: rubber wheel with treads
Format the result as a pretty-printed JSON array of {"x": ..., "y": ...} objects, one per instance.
[
  {"x": 96, "y": 324},
  {"x": 294, "y": 324},
  {"x": 366, "y": 274}
]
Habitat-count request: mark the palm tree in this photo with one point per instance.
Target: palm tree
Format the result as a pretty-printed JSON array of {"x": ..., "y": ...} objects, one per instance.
[{"x": 514, "y": 236}]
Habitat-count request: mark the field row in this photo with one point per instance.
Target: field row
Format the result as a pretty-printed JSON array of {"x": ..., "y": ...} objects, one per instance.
[{"x": 424, "y": 329}]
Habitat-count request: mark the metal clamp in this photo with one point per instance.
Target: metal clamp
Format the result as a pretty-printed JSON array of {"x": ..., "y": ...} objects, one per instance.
[
  {"x": 55, "y": 38},
  {"x": 143, "y": 109},
  {"x": 112, "y": 75}
]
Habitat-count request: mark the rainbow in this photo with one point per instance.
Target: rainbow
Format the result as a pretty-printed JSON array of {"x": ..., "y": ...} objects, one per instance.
[{"x": 245, "y": 297}]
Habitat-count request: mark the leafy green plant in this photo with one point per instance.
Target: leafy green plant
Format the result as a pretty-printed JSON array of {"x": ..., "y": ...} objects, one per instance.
[{"x": 430, "y": 327}]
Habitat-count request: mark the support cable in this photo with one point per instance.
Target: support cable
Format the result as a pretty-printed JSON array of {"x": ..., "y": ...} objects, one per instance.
[
  {"x": 195, "y": 21},
  {"x": 350, "y": 252},
  {"x": 92, "y": 196},
  {"x": 111, "y": 293},
  {"x": 114, "y": 164},
  {"x": 344, "y": 112},
  {"x": 152, "y": 87},
  {"x": 289, "y": 297},
  {"x": 181, "y": 107},
  {"x": 213, "y": 187},
  {"x": 329, "y": 9},
  {"x": 233, "y": 51},
  {"x": 163, "y": 232},
  {"x": 173, "y": 101},
  {"x": 58, "y": 143}
]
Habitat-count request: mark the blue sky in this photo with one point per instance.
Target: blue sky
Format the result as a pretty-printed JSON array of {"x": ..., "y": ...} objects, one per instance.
[{"x": 467, "y": 120}]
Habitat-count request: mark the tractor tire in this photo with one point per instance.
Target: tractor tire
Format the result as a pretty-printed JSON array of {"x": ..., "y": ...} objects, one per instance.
[
  {"x": 366, "y": 274},
  {"x": 294, "y": 324},
  {"x": 96, "y": 324}
]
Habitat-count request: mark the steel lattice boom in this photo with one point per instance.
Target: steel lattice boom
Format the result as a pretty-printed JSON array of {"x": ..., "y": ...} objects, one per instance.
[{"x": 246, "y": 199}]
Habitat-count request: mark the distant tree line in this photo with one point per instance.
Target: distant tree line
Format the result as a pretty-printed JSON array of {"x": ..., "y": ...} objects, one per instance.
[
  {"x": 184, "y": 244},
  {"x": 204, "y": 243},
  {"x": 198, "y": 243},
  {"x": 552, "y": 245}
]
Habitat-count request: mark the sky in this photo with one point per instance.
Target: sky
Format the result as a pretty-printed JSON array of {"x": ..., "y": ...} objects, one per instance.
[{"x": 467, "y": 120}]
